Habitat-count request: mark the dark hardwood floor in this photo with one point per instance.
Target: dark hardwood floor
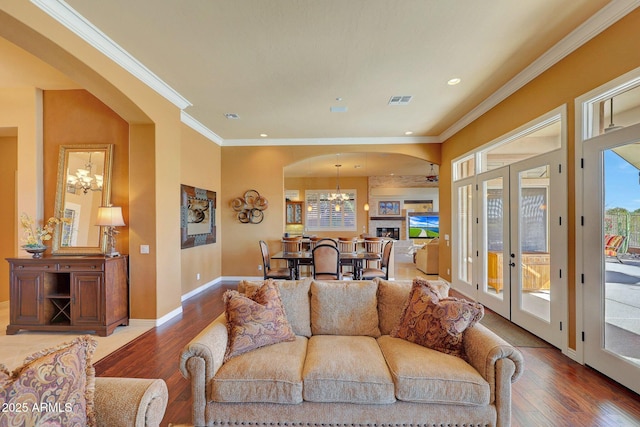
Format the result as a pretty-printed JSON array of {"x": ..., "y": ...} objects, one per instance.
[{"x": 554, "y": 390}]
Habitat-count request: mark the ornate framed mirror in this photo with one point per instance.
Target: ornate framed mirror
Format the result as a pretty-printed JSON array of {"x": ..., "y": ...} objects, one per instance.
[{"x": 84, "y": 184}]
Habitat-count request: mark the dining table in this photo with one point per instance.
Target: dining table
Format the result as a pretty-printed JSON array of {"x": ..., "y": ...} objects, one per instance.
[{"x": 354, "y": 259}]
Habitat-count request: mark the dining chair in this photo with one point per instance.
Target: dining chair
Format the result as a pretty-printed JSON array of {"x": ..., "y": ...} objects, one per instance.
[
  {"x": 327, "y": 241},
  {"x": 347, "y": 245},
  {"x": 292, "y": 244},
  {"x": 373, "y": 245},
  {"x": 272, "y": 273},
  {"x": 383, "y": 271},
  {"x": 326, "y": 262}
]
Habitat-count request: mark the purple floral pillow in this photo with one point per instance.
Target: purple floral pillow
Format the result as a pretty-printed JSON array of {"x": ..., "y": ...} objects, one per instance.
[
  {"x": 255, "y": 321},
  {"x": 54, "y": 387},
  {"x": 436, "y": 323}
]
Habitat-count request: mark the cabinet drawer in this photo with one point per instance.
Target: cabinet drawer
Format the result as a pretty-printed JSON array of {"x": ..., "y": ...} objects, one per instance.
[
  {"x": 42, "y": 266},
  {"x": 81, "y": 266}
]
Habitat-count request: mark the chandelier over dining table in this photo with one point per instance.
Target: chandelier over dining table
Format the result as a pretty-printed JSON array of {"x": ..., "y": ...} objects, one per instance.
[{"x": 338, "y": 197}]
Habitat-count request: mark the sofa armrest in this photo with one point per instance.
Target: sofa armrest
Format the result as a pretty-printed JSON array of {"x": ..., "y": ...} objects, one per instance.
[
  {"x": 200, "y": 360},
  {"x": 127, "y": 402},
  {"x": 496, "y": 360}
]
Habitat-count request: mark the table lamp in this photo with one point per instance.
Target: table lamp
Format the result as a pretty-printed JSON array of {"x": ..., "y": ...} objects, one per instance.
[{"x": 110, "y": 217}]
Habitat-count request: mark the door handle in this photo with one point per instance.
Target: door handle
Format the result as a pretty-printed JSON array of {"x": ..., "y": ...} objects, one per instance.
[{"x": 512, "y": 264}]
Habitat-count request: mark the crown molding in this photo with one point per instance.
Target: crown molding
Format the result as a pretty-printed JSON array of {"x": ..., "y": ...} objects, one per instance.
[
  {"x": 332, "y": 141},
  {"x": 76, "y": 23},
  {"x": 200, "y": 128},
  {"x": 593, "y": 26}
]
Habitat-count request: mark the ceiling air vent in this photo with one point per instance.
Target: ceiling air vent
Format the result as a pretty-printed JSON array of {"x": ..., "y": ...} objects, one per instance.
[
  {"x": 231, "y": 116},
  {"x": 400, "y": 100}
]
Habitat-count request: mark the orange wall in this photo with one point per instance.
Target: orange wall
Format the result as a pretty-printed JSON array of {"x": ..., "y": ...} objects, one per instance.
[
  {"x": 609, "y": 55},
  {"x": 261, "y": 169},
  {"x": 8, "y": 218},
  {"x": 199, "y": 168},
  {"x": 77, "y": 117}
]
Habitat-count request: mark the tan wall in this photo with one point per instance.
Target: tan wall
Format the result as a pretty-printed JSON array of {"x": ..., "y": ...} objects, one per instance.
[
  {"x": 261, "y": 169},
  {"x": 200, "y": 160},
  {"x": 609, "y": 55},
  {"x": 8, "y": 219}
]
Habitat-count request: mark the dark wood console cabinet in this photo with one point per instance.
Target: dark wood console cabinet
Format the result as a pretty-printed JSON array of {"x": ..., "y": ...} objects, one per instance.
[{"x": 68, "y": 294}]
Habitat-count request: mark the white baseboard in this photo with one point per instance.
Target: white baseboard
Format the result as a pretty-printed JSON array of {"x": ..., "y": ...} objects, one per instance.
[{"x": 200, "y": 289}]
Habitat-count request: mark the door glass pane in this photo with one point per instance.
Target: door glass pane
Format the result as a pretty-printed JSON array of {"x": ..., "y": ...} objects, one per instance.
[
  {"x": 621, "y": 212},
  {"x": 540, "y": 140},
  {"x": 618, "y": 111},
  {"x": 493, "y": 192},
  {"x": 534, "y": 252},
  {"x": 465, "y": 230}
]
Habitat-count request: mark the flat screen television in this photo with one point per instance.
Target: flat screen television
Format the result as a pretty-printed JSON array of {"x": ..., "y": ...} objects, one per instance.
[{"x": 424, "y": 225}]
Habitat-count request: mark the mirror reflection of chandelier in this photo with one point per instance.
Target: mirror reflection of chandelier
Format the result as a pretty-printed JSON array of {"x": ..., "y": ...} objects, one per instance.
[
  {"x": 338, "y": 197},
  {"x": 83, "y": 180}
]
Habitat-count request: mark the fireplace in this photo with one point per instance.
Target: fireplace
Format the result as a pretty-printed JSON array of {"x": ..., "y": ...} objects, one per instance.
[{"x": 392, "y": 232}]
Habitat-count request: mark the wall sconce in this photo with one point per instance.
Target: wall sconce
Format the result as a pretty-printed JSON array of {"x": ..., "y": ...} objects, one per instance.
[{"x": 110, "y": 217}]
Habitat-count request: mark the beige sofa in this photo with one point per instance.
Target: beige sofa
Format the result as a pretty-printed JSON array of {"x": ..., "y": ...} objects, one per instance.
[
  {"x": 130, "y": 402},
  {"x": 344, "y": 369},
  {"x": 427, "y": 257}
]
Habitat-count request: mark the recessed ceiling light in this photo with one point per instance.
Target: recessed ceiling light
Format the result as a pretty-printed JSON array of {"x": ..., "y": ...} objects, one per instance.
[
  {"x": 409, "y": 132},
  {"x": 264, "y": 135},
  {"x": 454, "y": 81},
  {"x": 231, "y": 116}
]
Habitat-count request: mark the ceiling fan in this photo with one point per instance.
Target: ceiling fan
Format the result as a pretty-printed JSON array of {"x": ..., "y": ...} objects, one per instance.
[{"x": 432, "y": 177}]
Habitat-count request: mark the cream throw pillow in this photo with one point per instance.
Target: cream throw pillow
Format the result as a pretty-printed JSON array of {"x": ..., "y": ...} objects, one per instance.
[{"x": 344, "y": 308}]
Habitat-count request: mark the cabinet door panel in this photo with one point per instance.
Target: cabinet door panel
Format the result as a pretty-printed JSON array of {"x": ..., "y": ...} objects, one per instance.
[
  {"x": 87, "y": 306},
  {"x": 26, "y": 298}
]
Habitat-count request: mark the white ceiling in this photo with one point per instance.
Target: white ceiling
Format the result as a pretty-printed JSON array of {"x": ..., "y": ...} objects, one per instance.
[{"x": 281, "y": 64}]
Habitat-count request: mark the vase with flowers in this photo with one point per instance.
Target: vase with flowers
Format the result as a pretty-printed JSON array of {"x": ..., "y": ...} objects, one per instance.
[{"x": 34, "y": 236}]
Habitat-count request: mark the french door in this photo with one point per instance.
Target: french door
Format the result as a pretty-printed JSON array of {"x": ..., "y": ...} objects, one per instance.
[
  {"x": 520, "y": 243},
  {"x": 611, "y": 297}
]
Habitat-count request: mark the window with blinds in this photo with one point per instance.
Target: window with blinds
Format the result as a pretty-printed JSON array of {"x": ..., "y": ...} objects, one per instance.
[{"x": 322, "y": 215}]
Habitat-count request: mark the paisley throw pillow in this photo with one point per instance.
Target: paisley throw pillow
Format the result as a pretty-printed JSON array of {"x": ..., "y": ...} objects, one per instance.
[
  {"x": 436, "y": 323},
  {"x": 54, "y": 387},
  {"x": 255, "y": 321}
]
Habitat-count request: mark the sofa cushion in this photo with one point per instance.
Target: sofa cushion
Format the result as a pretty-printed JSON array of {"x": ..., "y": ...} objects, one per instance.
[
  {"x": 270, "y": 374},
  {"x": 344, "y": 308},
  {"x": 347, "y": 369},
  {"x": 427, "y": 376},
  {"x": 295, "y": 300},
  {"x": 392, "y": 297},
  {"x": 54, "y": 387},
  {"x": 436, "y": 323},
  {"x": 256, "y": 321}
]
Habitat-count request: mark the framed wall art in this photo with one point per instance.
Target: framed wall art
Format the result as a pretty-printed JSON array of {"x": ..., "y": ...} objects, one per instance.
[
  {"x": 386, "y": 208},
  {"x": 197, "y": 216}
]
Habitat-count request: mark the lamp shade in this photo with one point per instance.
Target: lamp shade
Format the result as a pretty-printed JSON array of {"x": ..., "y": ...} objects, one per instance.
[{"x": 110, "y": 216}]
